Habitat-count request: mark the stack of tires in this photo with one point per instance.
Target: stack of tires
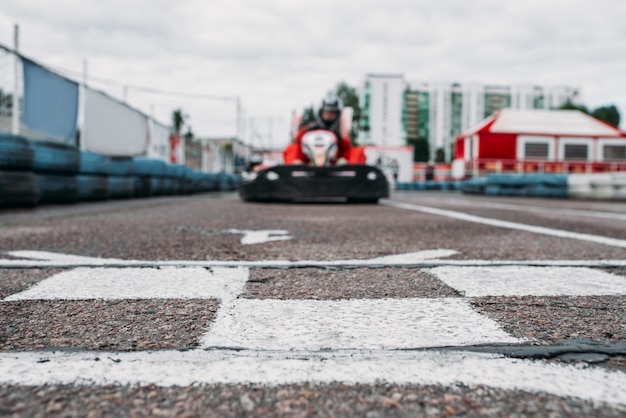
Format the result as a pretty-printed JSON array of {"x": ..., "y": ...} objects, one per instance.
[
  {"x": 121, "y": 178},
  {"x": 532, "y": 184},
  {"x": 36, "y": 171},
  {"x": 56, "y": 166},
  {"x": 18, "y": 184},
  {"x": 93, "y": 176}
]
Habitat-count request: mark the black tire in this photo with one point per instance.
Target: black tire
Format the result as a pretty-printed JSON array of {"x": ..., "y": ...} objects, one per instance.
[
  {"x": 143, "y": 186},
  {"x": 15, "y": 153},
  {"x": 121, "y": 166},
  {"x": 18, "y": 188},
  {"x": 121, "y": 187},
  {"x": 92, "y": 163},
  {"x": 57, "y": 188},
  {"x": 92, "y": 187},
  {"x": 54, "y": 158},
  {"x": 149, "y": 167}
]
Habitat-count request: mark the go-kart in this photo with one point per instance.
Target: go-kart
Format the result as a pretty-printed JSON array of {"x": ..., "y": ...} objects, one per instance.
[{"x": 322, "y": 180}]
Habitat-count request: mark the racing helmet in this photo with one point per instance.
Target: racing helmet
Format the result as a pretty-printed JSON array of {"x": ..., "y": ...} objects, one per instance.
[{"x": 330, "y": 103}]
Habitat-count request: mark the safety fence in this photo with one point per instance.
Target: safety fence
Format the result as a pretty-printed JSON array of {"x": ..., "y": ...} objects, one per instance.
[
  {"x": 34, "y": 172},
  {"x": 608, "y": 186}
]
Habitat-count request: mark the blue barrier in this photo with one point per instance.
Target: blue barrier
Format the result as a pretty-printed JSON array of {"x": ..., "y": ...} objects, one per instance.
[
  {"x": 57, "y": 188},
  {"x": 18, "y": 188},
  {"x": 121, "y": 187},
  {"x": 92, "y": 187},
  {"x": 54, "y": 158},
  {"x": 121, "y": 166},
  {"x": 92, "y": 163},
  {"x": 15, "y": 153},
  {"x": 149, "y": 167}
]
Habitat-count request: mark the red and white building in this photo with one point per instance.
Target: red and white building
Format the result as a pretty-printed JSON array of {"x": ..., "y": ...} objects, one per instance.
[{"x": 556, "y": 141}]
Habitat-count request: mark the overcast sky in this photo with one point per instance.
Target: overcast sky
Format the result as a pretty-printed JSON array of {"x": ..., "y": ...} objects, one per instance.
[{"x": 279, "y": 55}]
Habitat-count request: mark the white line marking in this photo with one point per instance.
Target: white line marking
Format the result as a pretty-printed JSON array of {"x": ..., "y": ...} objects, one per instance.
[
  {"x": 352, "y": 324},
  {"x": 260, "y": 237},
  {"x": 535, "y": 209},
  {"x": 139, "y": 283},
  {"x": 509, "y": 225},
  {"x": 174, "y": 368},
  {"x": 49, "y": 259},
  {"x": 539, "y": 281},
  {"x": 420, "y": 258}
]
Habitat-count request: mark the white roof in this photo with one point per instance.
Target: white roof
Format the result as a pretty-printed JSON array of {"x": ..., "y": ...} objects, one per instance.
[{"x": 547, "y": 122}]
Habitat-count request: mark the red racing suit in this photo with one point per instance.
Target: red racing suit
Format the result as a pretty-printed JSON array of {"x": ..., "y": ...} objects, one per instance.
[{"x": 293, "y": 153}]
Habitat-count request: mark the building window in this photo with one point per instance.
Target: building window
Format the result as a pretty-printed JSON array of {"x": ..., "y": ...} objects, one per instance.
[
  {"x": 614, "y": 153},
  {"x": 536, "y": 150},
  {"x": 575, "y": 152}
]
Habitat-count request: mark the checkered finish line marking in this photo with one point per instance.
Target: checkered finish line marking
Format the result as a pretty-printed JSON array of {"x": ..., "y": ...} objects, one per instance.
[{"x": 287, "y": 341}]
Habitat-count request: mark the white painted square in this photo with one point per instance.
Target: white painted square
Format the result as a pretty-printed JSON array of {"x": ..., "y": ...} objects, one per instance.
[
  {"x": 139, "y": 283},
  {"x": 351, "y": 324},
  {"x": 530, "y": 281}
]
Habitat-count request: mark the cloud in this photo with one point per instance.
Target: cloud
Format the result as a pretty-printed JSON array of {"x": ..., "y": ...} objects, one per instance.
[{"x": 279, "y": 55}]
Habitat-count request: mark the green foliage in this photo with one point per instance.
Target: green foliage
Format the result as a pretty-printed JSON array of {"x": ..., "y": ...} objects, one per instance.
[
  {"x": 421, "y": 149},
  {"x": 608, "y": 114},
  {"x": 178, "y": 120},
  {"x": 308, "y": 115},
  {"x": 350, "y": 98},
  {"x": 440, "y": 155},
  {"x": 569, "y": 105}
]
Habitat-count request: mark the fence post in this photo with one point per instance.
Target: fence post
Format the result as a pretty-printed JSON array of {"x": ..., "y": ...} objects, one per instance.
[{"x": 15, "y": 120}]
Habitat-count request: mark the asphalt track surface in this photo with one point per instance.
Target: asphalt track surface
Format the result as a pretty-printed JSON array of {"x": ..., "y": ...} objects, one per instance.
[{"x": 427, "y": 304}]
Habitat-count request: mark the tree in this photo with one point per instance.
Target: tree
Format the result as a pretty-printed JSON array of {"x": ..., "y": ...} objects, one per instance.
[
  {"x": 308, "y": 115},
  {"x": 350, "y": 98},
  {"x": 440, "y": 155},
  {"x": 569, "y": 105},
  {"x": 608, "y": 114},
  {"x": 421, "y": 149},
  {"x": 178, "y": 120}
]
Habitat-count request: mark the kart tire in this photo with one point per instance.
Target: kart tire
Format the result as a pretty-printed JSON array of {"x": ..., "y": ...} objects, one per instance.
[
  {"x": 92, "y": 187},
  {"x": 149, "y": 167},
  {"x": 54, "y": 158},
  {"x": 15, "y": 153},
  {"x": 143, "y": 186},
  {"x": 121, "y": 166},
  {"x": 92, "y": 163},
  {"x": 121, "y": 187},
  {"x": 18, "y": 188},
  {"x": 56, "y": 188}
]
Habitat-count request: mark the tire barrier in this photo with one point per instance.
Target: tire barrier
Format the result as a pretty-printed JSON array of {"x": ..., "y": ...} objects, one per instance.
[
  {"x": 121, "y": 166},
  {"x": 37, "y": 172},
  {"x": 15, "y": 153},
  {"x": 533, "y": 185},
  {"x": 56, "y": 188},
  {"x": 121, "y": 187},
  {"x": 18, "y": 188},
  {"x": 443, "y": 185},
  {"x": 92, "y": 187},
  {"x": 598, "y": 186},
  {"x": 92, "y": 163},
  {"x": 54, "y": 158},
  {"x": 474, "y": 185}
]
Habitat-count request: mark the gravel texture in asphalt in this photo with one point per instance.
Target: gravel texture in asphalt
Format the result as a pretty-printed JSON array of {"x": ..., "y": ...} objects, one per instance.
[
  {"x": 362, "y": 283},
  {"x": 119, "y": 325},
  {"x": 299, "y": 400}
]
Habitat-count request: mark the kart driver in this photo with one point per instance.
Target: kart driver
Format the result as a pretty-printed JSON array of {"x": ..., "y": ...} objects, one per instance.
[{"x": 328, "y": 118}]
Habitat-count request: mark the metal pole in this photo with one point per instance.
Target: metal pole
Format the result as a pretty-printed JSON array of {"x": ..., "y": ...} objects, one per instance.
[{"x": 15, "y": 120}]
